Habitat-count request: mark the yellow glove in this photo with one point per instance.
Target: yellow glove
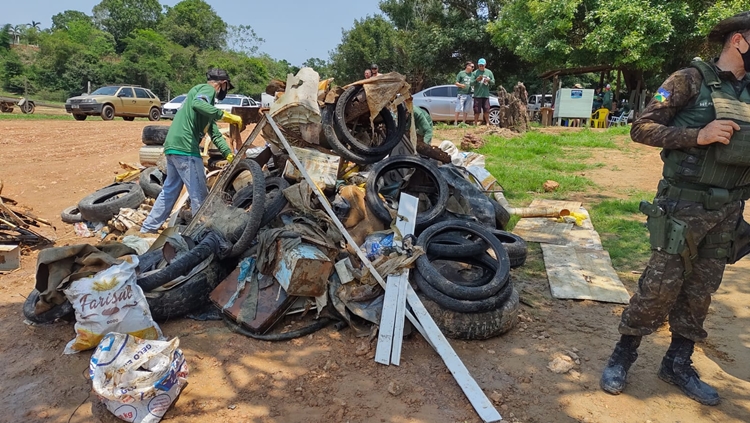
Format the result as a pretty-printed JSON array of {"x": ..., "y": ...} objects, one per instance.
[
  {"x": 232, "y": 119},
  {"x": 230, "y": 157}
]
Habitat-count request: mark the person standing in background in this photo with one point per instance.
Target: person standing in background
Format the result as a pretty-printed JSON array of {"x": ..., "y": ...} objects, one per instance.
[
  {"x": 482, "y": 80},
  {"x": 463, "y": 82}
]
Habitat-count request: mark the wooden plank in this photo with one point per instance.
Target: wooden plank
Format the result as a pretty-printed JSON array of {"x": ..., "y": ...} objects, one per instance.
[
  {"x": 390, "y": 335},
  {"x": 582, "y": 274},
  {"x": 473, "y": 392}
]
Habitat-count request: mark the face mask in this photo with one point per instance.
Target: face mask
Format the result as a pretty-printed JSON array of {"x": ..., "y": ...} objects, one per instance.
[
  {"x": 221, "y": 94},
  {"x": 745, "y": 56}
]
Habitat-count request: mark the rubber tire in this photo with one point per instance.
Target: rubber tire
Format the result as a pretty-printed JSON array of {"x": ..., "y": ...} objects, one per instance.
[
  {"x": 154, "y": 134},
  {"x": 154, "y": 114},
  {"x": 463, "y": 306},
  {"x": 79, "y": 117},
  {"x": 502, "y": 216},
  {"x": 181, "y": 265},
  {"x": 475, "y": 326},
  {"x": 108, "y": 112},
  {"x": 494, "y": 114},
  {"x": 479, "y": 294},
  {"x": 454, "y": 245},
  {"x": 484, "y": 260},
  {"x": 149, "y": 155},
  {"x": 379, "y": 209},
  {"x": 28, "y": 108},
  {"x": 151, "y": 181},
  {"x": 71, "y": 215},
  {"x": 94, "y": 208},
  {"x": 256, "y": 213},
  {"x": 49, "y": 316},
  {"x": 339, "y": 148},
  {"x": 515, "y": 246},
  {"x": 394, "y": 131},
  {"x": 275, "y": 200},
  {"x": 128, "y": 118},
  {"x": 190, "y": 295}
]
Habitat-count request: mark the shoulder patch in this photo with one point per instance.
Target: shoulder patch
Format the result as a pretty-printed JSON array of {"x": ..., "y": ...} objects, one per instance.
[
  {"x": 662, "y": 95},
  {"x": 203, "y": 97}
]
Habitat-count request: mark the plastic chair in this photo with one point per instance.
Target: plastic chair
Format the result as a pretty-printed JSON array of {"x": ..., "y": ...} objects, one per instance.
[{"x": 599, "y": 118}]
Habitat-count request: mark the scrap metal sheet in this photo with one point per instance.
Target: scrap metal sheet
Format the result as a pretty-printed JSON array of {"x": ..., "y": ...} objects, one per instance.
[
  {"x": 582, "y": 274},
  {"x": 548, "y": 230}
]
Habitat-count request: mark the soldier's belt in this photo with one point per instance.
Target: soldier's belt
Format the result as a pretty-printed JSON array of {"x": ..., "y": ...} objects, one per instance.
[{"x": 712, "y": 198}]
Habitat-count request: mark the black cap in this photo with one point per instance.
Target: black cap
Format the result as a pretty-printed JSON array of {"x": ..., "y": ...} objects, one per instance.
[
  {"x": 216, "y": 74},
  {"x": 737, "y": 23},
  {"x": 373, "y": 66}
]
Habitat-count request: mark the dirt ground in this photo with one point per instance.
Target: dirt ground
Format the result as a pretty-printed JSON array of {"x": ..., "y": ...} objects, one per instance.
[{"x": 331, "y": 376}]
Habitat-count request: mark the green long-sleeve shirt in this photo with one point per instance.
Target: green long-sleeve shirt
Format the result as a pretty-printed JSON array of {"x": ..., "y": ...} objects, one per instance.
[
  {"x": 423, "y": 124},
  {"x": 196, "y": 117}
]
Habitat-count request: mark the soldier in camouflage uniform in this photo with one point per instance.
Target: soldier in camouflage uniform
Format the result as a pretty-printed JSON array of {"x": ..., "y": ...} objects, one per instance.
[{"x": 694, "y": 118}]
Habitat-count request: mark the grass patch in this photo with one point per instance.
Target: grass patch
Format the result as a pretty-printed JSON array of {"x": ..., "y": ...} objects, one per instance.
[
  {"x": 16, "y": 115},
  {"x": 620, "y": 226},
  {"x": 524, "y": 163}
]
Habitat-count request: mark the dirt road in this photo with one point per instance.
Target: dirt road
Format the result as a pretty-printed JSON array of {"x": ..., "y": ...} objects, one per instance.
[{"x": 330, "y": 376}]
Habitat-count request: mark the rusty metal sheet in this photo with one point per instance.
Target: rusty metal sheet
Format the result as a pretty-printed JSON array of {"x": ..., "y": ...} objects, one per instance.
[{"x": 304, "y": 271}]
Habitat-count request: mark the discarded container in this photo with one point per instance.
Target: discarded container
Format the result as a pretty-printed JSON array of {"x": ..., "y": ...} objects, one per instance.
[
  {"x": 323, "y": 168},
  {"x": 304, "y": 271},
  {"x": 10, "y": 258}
]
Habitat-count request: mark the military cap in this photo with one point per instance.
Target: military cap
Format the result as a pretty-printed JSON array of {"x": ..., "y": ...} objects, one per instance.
[{"x": 737, "y": 23}]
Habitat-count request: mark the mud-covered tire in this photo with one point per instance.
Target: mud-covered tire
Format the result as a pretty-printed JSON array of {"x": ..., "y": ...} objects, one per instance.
[
  {"x": 154, "y": 134},
  {"x": 108, "y": 112},
  {"x": 151, "y": 181},
  {"x": 49, "y": 316},
  {"x": 502, "y": 216},
  {"x": 154, "y": 114},
  {"x": 475, "y": 326},
  {"x": 380, "y": 210},
  {"x": 149, "y": 155},
  {"x": 515, "y": 246},
  {"x": 188, "y": 296},
  {"x": 333, "y": 142},
  {"x": 102, "y": 204},
  {"x": 71, "y": 215},
  {"x": 455, "y": 245},
  {"x": 259, "y": 201},
  {"x": 275, "y": 200}
]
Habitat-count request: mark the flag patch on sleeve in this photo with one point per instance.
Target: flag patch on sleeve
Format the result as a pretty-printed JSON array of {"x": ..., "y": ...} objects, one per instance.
[{"x": 662, "y": 95}]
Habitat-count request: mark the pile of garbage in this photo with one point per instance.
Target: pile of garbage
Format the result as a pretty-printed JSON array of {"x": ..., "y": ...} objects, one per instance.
[{"x": 307, "y": 225}]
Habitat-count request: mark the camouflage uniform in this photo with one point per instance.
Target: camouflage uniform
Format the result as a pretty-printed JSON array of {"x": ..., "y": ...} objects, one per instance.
[{"x": 663, "y": 290}]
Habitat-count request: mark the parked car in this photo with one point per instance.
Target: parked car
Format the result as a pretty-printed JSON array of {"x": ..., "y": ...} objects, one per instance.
[
  {"x": 126, "y": 101},
  {"x": 440, "y": 103},
  {"x": 170, "y": 108},
  {"x": 535, "y": 102},
  {"x": 235, "y": 100}
]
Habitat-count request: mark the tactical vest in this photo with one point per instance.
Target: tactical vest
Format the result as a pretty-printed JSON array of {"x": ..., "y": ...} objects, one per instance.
[{"x": 716, "y": 165}]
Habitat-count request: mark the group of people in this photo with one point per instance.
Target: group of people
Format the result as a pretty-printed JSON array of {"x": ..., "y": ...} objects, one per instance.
[
  {"x": 373, "y": 71},
  {"x": 474, "y": 91}
]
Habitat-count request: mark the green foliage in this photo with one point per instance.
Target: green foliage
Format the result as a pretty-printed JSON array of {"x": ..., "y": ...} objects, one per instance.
[
  {"x": 623, "y": 234},
  {"x": 121, "y": 17},
  {"x": 371, "y": 40},
  {"x": 64, "y": 19},
  {"x": 194, "y": 23},
  {"x": 321, "y": 66},
  {"x": 243, "y": 39},
  {"x": 5, "y": 37}
]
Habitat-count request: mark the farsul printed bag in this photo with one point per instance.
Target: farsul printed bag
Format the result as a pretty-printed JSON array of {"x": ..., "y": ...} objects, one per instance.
[
  {"x": 137, "y": 379},
  {"x": 110, "y": 301}
]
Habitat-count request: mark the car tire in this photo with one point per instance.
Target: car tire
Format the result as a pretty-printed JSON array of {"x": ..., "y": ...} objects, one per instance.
[
  {"x": 79, "y": 117},
  {"x": 149, "y": 155},
  {"x": 332, "y": 141},
  {"x": 71, "y": 215},
  {"x": 502, "y": 216},
  {"x": 128, "y": 118},
  {"x": 515, "y": 246},
  {"x": 154, "y": 134},
  {"x": 151, "y": 181},
  {"x": 494, "y": 116},
  {"x": 49, "y": 316},
  {"x": 108, "y": 112},
  {"x": 256, "y": 212},
  {"x": 475, "y": 326},
  {"x": 104, "y": 204},
  {"x": 275, "y": 200},
  {"x": 154, "y": 114}
]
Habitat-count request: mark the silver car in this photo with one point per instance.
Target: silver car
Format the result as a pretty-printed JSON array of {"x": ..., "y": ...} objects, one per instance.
[
  {"x": 169, "y": 109},
  {"x": 235, "y": 100},
  {"x": 440, "y": 103}
]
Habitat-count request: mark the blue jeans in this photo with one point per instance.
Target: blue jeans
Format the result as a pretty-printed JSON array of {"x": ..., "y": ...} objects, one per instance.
[{"x": 187, "y": 170}]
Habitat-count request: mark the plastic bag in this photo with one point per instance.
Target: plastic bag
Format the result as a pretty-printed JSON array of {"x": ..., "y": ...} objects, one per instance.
[
  {"x": 378, "y": 244},
  {"x": 110, "y": 301},
  {"x": 137, "y": 379}
]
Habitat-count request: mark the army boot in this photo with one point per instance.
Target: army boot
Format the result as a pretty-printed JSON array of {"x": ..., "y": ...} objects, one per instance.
[
  {"x": 616, "y": 371},
  {"x": 676, "y": 368}
]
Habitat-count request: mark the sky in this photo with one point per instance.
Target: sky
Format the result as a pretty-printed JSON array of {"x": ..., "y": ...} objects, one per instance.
[{"x": 295, "y": 30}]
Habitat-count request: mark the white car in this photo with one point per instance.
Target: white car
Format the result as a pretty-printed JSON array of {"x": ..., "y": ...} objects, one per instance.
[
  {"x": 169, "y": 109},
  {"x": 440, "y": 103},
  {"x": 235, "y": 100},
  {"x": 535, "y": 102}
]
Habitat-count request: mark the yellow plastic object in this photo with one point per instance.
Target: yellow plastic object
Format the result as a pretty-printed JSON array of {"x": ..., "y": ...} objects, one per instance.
[
  {"x": 126, "y": 176},
  {"x": 573, "y": 217},
  {"x": 599, "y": 118}
]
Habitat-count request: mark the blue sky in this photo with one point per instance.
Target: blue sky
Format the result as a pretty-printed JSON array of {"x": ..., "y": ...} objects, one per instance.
[{"x": 294, "y": 30}]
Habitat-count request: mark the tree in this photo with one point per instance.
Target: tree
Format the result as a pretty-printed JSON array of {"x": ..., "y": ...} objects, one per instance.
[
  {"x": 5, "y": 37},
  {"x": 121, "y": 17},
  {"x": 194, "y": 23},
  {"x": 35, "y": 24},
  {"x": 323, "y": 67},
  {"x": 243, "y": 39},
  {"x": 372, "y": 39},
  {"x": 62, "y": 20}
]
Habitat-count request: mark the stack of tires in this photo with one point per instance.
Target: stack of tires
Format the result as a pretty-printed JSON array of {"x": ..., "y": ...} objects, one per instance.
[
  {"x": 353, "y": 137},
  {"x": 153, "y": 137},
  {"x": 105, "y": 203}
]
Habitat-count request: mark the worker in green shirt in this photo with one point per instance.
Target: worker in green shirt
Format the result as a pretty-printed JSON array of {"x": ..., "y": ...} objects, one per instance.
[
  {"x": 423, "y": 124},
  {"x": 196, "y": 117},
  {"x": 463, "y": 82},
  {"x": 482, "y": 80}
]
